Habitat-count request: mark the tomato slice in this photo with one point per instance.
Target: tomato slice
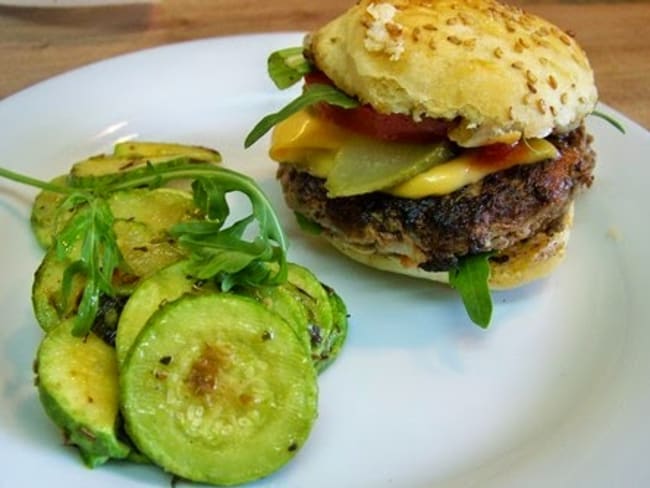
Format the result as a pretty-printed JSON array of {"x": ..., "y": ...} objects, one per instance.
[{"x": 387, "y": 127}]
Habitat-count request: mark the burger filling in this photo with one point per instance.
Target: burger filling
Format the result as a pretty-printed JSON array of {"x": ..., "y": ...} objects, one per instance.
[{"x": 433, "y": 232}]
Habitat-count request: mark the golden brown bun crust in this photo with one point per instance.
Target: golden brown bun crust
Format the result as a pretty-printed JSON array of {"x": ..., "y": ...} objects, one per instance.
[
  {"x": 528, "y": 261},
  {"x": 502, "y": 72}
]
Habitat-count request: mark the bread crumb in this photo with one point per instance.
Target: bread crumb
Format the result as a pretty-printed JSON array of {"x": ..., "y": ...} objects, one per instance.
[{"x": 382, "y": 33}]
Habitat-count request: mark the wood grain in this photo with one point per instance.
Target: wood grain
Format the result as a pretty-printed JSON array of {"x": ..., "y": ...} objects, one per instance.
[{"x": 36, "y": 44}]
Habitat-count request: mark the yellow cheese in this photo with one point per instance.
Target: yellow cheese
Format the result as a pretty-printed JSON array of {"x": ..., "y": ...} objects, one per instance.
[
  {"x": 312, "y": 142},
  {"x": 299, "y": 136}
]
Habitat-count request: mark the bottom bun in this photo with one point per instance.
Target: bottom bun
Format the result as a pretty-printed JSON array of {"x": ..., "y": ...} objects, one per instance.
[{"x": 527, "y": 261}]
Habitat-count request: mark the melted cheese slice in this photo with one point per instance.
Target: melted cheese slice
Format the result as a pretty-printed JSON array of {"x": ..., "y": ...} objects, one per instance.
[{"x": 313, "y": 142}]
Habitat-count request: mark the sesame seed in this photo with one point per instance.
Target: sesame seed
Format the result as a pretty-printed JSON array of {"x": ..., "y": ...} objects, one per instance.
[
  {"x": 517, "y": 65},
  {"x": 582, "y": 100},
  {"x": 531, "y": 87},
  {"x": 511, "y": 115},
  {"x": 510, "y": 26},
  {"x": 432, "y": 45},
  {"x": 498, "y": 52},
  {"x": 470, "y": 43},
  {"x": 430, "y": 27},
  {"x": 465, "y": 19},
  {"x": 452, "y": 21},
  {"x": 416, "y": 34},
  {"x": 552, "y": 81},
  {"x": 527, "y": 98},
  {"x": 542, "y": 32},
  {"x": 521, "y": 41},
  {"x": 553, "y": 110},
  {"x": 564, "y": 98},
  {"x": 454, "y": 40},
  {"x": 543, "y": 61},
  {"x": 565, "y": 39},
  {"x": 530, "y": 76},
  {"x": 541, "y": 106}
]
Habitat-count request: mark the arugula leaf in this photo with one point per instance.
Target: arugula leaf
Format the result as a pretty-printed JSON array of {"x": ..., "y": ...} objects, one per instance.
[
  {"x": 99, "y": 255},
  {"x": 609, "y": 119},
  {"x": 308, "y": 225},
  {"x": 312, "y": 94},
  {"x": 287, "y": 66},
  {"x": 470, "y": 279}
]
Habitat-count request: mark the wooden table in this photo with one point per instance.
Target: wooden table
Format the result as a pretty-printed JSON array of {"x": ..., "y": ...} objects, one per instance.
[{"x": 38, "y": 43}]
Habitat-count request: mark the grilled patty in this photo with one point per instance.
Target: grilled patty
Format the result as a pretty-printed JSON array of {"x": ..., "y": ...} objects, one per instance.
[{"x": 433, "y": 232}]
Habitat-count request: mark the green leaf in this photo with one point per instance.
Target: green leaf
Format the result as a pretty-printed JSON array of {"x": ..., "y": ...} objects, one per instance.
[
  {"x": 307, "y": 225},
  {"x": 287, "y": 66},
  {"x": 312, "y": 94},
  {"x": 470, "y": 279},
  {"x": 211, "y": 198},
  {"x": 609, "y": 119},
  {"x": 227, "y": 253},
  {"x": 90, "y": 232}
]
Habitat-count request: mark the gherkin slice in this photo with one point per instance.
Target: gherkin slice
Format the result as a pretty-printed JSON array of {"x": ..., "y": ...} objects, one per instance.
[
  {"x": 217, "y": 389},
  {"x": 364, "y": 165}
]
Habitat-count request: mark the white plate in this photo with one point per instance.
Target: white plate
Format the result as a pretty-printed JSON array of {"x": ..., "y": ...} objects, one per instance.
[{"x": 554, "y": 394}]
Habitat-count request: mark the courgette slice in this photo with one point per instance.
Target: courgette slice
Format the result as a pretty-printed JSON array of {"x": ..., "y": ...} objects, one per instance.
[
  {"x": 146, "y": 149},
  {"x": 143, "y": 250},
  {"x": 166, "y": 285},
  {"x": 79, "y": 390},
  {"x": 322, "y": 327},
  {"x": 112, "y": 170},
  {"x": 159, "y": 209},
  {"x": 143, "y": 256},
  {"x": 46, "y": 217},
  {"x": 96, "y": 167},
  {"x": 333, "y": 343},
  {"x": 281, "y": 300},
  {"x": 142, "y": 218},
  {"x": 218, "y": 389}
]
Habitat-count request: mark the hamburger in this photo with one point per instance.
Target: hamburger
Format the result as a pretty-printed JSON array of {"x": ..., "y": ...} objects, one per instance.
[{"x": 442, "y": 139}]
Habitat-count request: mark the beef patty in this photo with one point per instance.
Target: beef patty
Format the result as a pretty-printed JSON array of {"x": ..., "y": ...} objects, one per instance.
[{"x": 433, "y": 232}]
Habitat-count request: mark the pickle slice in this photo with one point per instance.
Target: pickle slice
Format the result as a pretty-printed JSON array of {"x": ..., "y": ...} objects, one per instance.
[
  {"x": 363, "y": 165},
  {"x": 217, "y": 389}
]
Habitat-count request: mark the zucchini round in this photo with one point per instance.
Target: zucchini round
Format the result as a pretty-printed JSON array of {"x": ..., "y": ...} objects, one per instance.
[
  {"x": 46, "y": 218},
  {"x": 78, "y": 387},
  {"x": 166, "y": 285},
  {"x": 218, "y": 389}
]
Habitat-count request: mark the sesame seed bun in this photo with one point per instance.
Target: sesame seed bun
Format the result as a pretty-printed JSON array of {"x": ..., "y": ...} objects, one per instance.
[
  {"x": 499, "y": 72},
  {"x": 522, "y": 263}
]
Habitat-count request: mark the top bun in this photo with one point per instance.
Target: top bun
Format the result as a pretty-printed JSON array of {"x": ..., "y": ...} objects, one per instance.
[{"x": 500, "y": 72}]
